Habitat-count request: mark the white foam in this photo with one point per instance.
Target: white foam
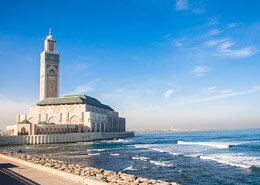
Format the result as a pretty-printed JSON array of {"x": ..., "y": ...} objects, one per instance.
[
  {"x": 192, "y": 155},
  {"x": 158, "y": 149},
  {"x": 115, "y": 154},
  {"x": 116, "y": 141},
  {"x": 238, "y": 160},
  {"x": 211, "y": 144},
  {"x": 165, "y": 151},
  {"x": 140, "y": 158},
  {"x": 153, "y": 147},
  {"x": 161, "y": 163},
  {"x": 94, "y": 154},
  {"x": 130, "y": 168},
  {"x": 98, "y": 150},
  {"x": 144, "y": 146}
]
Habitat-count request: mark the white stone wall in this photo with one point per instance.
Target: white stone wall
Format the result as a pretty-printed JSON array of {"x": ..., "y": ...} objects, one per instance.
[
  {"x": 11, "y": 130},
  {"x": 62, "y": 138},
  {"x": 94, "y": 119}
]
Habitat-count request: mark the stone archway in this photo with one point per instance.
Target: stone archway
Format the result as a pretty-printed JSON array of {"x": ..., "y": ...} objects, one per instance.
[
  {"x": 32, "y": 120},
  {"x": 23, "y": 131},
  {"x": 74, "y": 120},
  {"x": 53, "y": 120}
]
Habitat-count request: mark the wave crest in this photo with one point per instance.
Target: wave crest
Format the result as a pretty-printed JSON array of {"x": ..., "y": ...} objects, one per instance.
[
  {"x": 211, "y": 144},
  {"x": 161, "y": 163}
]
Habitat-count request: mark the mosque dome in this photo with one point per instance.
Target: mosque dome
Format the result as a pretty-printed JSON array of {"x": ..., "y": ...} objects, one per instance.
[{"x": 50, "y": 37}]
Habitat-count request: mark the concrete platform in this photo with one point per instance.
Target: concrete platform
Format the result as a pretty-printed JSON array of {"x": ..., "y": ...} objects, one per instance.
[{"x": 13, "y": 173}]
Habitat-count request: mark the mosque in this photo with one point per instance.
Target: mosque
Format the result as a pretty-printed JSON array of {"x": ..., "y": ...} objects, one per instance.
[{"x": 61, "y": 115}]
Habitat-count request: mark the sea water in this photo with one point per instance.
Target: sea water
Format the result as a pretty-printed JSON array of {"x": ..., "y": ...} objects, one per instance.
[{"x": 205, "y": 157}]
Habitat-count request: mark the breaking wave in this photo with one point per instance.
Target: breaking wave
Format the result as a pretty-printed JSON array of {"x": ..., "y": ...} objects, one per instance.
[
  {"x": 130, "y": 168},
  {"x": 211, "y": 144},
  {"x": 115, "y": 154},
  {"x": 116, "y": 141},
  {"x": 98, "y": 150},
  {"x": 140, "y": 158},
  {"x": 164, "y": 151},
  {"x": 161, "y": 163},
  {"x": 94, "y": 154},
  {"x": 237, "y": 160}
]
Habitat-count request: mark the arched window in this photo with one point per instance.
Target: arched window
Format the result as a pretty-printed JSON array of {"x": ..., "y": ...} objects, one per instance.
[{"x": 23, "y": 131}]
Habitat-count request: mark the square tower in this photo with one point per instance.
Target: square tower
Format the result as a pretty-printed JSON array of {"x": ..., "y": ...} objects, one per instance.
[{"x": 49, "y": 74}]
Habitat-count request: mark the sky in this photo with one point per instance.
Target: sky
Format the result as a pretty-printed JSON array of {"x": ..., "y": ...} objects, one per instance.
[{"x": 181, "y": 63}]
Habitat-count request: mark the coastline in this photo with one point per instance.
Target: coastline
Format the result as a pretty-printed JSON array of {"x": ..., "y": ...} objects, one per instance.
[
  {"x": 61, "y": 138},
  {"x": 76, "y": 172}
]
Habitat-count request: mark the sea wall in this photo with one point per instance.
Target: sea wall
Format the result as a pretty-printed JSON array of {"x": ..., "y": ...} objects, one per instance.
[
  {"x": 76, "y": 172},
  {"x": 62, "y": 138}
]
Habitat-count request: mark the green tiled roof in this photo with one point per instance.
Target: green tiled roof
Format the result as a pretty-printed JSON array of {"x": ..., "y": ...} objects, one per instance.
[
  {"x": 72, "y": 99},
  {"x": 25, "y": 122}
]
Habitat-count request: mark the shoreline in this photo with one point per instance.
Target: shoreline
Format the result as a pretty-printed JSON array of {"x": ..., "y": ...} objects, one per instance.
[
  {"x": 62, "y": 138},
  {"x": 76, "y": 172}
]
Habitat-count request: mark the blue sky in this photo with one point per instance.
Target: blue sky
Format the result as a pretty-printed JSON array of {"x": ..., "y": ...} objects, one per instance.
[{"x": 190, "y": 64}]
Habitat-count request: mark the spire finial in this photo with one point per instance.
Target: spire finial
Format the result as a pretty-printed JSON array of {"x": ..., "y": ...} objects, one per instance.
[{"x": 50, "y": 31}]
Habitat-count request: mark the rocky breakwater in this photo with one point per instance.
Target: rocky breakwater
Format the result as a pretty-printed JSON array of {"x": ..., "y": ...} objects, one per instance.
[{"x": 107, "y": 176}]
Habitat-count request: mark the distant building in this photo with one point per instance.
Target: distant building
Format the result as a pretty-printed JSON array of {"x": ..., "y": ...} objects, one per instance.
[{"x": 69, "y": 114}]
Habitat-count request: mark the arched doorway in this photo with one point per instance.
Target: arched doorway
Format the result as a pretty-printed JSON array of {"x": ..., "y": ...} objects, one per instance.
[
  {"x": 53, "y": 120},
  {"x": 23, "y": 131},
  {"x": 32, "y": 120},
  {"x": 75, "y": 120}
]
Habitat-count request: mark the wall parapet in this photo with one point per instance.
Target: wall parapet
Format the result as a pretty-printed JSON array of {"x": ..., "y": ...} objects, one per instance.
[{"x": 61, "y": 138}]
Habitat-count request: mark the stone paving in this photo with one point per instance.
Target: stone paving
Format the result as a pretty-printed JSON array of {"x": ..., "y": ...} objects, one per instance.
[{"x": 12, "y": 173}]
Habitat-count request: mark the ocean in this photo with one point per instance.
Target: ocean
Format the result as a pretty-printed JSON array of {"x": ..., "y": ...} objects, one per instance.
[{"x": 203, "y": 157}]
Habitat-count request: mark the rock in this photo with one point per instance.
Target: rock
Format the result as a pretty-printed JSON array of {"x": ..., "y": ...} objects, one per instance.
[
  {"x": 106, "y": 172},
  {"x": 98, "y": 174},
  {"x": 62, "y": 168},
  {"x": 49, "y": 165},
  {"x": 43, "y": 163}
]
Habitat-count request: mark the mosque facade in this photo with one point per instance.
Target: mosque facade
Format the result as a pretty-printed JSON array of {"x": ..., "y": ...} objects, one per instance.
[{"x": 61, "y": 115}]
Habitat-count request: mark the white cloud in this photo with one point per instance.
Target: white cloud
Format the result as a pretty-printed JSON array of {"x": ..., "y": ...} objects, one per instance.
[
  {"x": 225, "y": 91},
  {"x": 178, "y": 44},
  {"x": 148, "y": 91},
  {"x": 223, "y": 50},
  {"x": 225, "y": 45},
  {"x": 213, "y": 21},
  {"x": 228, "y": 95},
  {"x": 209, "y": 89},
  {"x": 232, "y": 25},
  {"x": 197, "y": 10},
  {"x": 213, "y": 32},
  {"x": 119, "y": 90},
  {"x": 82, "y": 89},
  {"x": 200, "y": 70},
  {"x": 216, "y": 42},
  {"x": 181, "y": 4},
  {"x": 183, "y": 112},
  {"x": 80, "y": 66},
  {"x": 168, "y": 93}
]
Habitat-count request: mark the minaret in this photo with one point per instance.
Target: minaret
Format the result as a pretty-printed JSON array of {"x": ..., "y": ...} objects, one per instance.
[{"x": 49, "y": 75}]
